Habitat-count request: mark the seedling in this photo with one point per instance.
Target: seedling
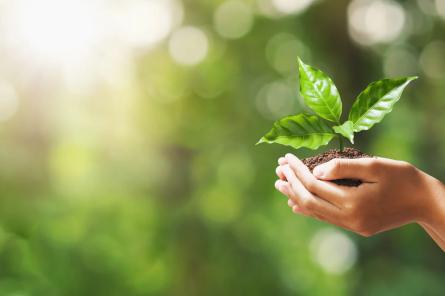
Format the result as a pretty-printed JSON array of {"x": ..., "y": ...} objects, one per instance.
[{"x": 321, "y": 95}]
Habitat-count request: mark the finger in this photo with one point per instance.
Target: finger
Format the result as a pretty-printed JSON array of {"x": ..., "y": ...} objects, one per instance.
[
  {"x": 290, "y": 194},
  {"x": 280, "y": 185},
  {"x": 285, "y": 188},
  {"x": 294, "y": 207},
  {"x": 295, "y": 184},
  {"x": 282, "y": 161},
  {"x": 321, "y": 210},
  {"x": 306, "y": 201},
  {"x": 365, "y": 169},
  {"x": 335, "y": 220},
  {"x": 297, "y": 210},
  {"x": 325, "y": 190},
  {"x": 279, "y": 173}
]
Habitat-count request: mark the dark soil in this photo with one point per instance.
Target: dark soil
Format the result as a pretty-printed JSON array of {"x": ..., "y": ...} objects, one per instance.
[{"x": 350, "y": 153}]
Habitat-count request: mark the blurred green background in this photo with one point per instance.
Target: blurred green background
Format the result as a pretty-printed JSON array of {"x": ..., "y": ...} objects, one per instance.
[{"x": 127, "y": 157}]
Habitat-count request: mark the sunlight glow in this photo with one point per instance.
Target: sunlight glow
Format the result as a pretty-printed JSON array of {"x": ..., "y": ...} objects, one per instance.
[
  {"x": 71, "y": 32},
  {"x": 52, "y": 30},
  {"x": 8, "y": 101},
  {"x": 143, "y": 23}
]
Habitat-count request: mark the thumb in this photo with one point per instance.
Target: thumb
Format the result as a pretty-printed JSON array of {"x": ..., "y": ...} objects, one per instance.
[{"x": 339, "y": 168}]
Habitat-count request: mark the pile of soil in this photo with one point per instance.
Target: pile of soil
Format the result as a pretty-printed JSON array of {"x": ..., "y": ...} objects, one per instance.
[{"x": 351, "y": 153}]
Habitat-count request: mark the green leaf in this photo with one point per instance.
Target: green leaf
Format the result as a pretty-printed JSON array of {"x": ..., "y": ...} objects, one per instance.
[
  {"x": 319, "y": 92},
  {"x": 376, "y": 101},
  {"x": 346, "y": 130},
  {"x": 302, "y": 130}
]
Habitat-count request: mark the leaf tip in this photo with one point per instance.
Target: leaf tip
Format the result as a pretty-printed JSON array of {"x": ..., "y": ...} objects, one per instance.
[
  {"x": 262, "y": 140},
  {"x": 300, "y": 61}
]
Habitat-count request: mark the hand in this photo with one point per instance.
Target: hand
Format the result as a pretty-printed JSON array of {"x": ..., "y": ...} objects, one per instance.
[{"x": 393, "y": 193}]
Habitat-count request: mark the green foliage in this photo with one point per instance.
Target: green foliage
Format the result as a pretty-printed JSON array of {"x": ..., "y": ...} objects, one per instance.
[
  {"x": 346, "y": 130},
  {"x": 319, "y": 92},
  {"x": 376, "y": 101},
  {"x": 302, "y": 130},
  {"x": 321, "y": 95}
]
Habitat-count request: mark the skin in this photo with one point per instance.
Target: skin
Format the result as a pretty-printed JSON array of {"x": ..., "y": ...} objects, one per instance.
[{"x": 393, "y": 193}]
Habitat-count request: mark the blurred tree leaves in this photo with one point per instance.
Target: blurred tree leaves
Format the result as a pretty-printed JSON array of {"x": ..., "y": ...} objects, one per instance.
[{"x": 151, "y": 185}]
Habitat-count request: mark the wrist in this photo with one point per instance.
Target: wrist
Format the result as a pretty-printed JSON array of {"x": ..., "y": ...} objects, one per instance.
[{"x": 434, "y": 198}]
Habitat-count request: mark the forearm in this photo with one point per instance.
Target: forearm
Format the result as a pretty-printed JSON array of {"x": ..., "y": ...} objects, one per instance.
[{"x": 437, "y": 239}]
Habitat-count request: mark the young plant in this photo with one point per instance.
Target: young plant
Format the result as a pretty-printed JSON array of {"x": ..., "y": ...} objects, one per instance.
[{"x": 321, "y": 95}]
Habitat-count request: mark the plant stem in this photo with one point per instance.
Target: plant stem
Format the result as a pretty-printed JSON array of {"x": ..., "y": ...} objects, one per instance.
[{"x": 340, "y": 141}]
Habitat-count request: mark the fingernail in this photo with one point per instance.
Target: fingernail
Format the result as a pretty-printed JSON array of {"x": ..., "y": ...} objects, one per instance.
[
  {"x": 318, "y": 172},
  {"x": 291, "y": 203},
  {"x": 277, "y": 184},
  {"x": 288, "y": 155},
  {"x": 296, "y": 209}
]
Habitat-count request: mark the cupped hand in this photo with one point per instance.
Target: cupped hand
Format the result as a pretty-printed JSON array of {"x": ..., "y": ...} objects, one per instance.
[{"x": 393, "y": 193}]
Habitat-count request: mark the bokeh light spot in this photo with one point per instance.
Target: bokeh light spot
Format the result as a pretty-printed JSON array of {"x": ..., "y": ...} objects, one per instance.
[
  {"x": 275, "y": 100},
  {"x": 233, "y": 19},
  {"x": 432, "y": 60},
  {"x": 282, "y": 51},
  {"x": 440, "y": 7},
  {"x": 399, "y": 61},
  {"x": 372, "y": 22},
  {"x": 188, "y": 46},
  {"x": 427, "y": 6},
  {"x": 266, "y": 8},
  {"x": 335, "y": 252},
  {"x": 291, "y": 6}
]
